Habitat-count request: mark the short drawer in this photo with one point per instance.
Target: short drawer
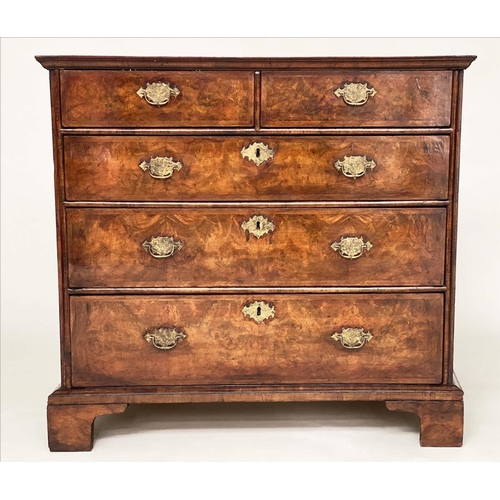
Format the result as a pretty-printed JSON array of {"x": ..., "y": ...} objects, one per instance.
[
  {"x": 127, "y": 168},
  {"x": 156, "y": 99},
  {"x": 248, "y": 247},
  {"x": 356, "y": 99},
  {"x": 297, "y": 339}
]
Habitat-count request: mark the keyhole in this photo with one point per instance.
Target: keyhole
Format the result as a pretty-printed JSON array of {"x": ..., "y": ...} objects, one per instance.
[
  {"x": 258, "y": 310},
  {"x": 258, "y": 225},
  {"x": 257, "y": 152}
]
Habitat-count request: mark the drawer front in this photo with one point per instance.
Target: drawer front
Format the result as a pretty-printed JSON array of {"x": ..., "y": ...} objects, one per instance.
[
  {"x": 183, "y": 340},
  {"x": 194, "y": 99},
  {"x": 249, "y": 247},
  {"x": 171, "y": 168},
  {"x": 335, "y": 99}
]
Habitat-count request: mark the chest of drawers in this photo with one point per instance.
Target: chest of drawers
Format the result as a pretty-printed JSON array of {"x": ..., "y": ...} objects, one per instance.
[{"x": 256, "y": 230}]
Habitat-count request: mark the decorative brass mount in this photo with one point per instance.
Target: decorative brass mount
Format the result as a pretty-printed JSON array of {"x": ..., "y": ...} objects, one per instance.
[
  {"x": 352, "y": 338},
  {"x": 354, "y": 166},
  {"x": 158, "y": 93},
  {"x": 258, "y": 226},
  {"x": 258, "y": 152},
  {"x": 351, "y": 247},
  {"x": 161, "y": 167},
  {"x": 161, "y": 247},
  {"x": 164, "y": 338},
  {"x": 355, "y": 94},
  {"x": 259, "y": 311}
]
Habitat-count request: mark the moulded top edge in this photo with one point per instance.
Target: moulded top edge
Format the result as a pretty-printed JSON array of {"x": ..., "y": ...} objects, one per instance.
[{"x": 253, "y": 63}]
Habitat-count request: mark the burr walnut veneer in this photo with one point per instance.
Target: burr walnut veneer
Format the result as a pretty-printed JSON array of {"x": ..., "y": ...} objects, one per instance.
[{"x": 256, "y": 230}]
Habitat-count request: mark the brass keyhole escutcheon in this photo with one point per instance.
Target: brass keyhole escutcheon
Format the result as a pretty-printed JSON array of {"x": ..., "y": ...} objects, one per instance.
[
  {"x": 258, "y": 152},
  {"x": 258, "y": 226},
  {"x": 259, "y": 311}
]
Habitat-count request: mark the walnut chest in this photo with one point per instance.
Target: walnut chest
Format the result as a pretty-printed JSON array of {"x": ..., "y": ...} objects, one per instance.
[{"x": 256, "y": 230}]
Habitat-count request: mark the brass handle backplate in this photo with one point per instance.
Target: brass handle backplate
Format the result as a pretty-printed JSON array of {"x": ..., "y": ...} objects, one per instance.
[
  {"x": 354, "y": 166},
  {"x": 351, "y": 247},
  {"x": 164, "y": 338},
  {"x": 258, "y": 226},
  {"x": 355, "y": 94},
  {"x": 258, "y": 152},
  {"x": 161, "y": 247},
  {"x": 352, "y": 338},
  {"x": 259, "y": 311},
  {"x": 161, "y": 167},
  {"x": 158, "y": 93}
]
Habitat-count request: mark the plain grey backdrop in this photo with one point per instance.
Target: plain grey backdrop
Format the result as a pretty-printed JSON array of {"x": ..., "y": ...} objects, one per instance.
[{"x": 234, "y": 432}]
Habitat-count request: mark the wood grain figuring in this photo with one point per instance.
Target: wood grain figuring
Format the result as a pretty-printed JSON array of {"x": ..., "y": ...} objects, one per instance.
[
  {"x": 105, "y": 247},
  {"x": 71, "y": 427},
  {"x": 414, "y": 99},
  {"x": 109, "y": 99},
  {"x": 107, "y": 168},
  {"x": 224, "y": 346},
  {"x": 112, "y": 291},
  {"x": 441, "y": 422}
]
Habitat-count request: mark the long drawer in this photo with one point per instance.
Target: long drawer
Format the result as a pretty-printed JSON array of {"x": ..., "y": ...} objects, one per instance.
[
  {"x": 220, "y": 339},
  {"x": 157, "y": 98},
  {"x": 118, "y": 168},
  {"x": 155, "y": 247},
  {"x": 356, "y": 99}
]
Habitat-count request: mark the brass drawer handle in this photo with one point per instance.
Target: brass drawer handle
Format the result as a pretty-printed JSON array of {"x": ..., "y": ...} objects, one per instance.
[
  {"x": 259, "y": 311},
  {"x": 352, "y": 338},
  {"x": 355, "y": 94},
  {"x": 258, "y": 226},
  {"x": 161, "y": 247},
  {"x": 258, "y": 152},
  {"x": 354, "y": 166},
  {"x": 351, "y": 247},
  {"x": 164, "y": 338},
  {"x": 158, "y": 93},
  {"x": 161, "y": 167}
]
